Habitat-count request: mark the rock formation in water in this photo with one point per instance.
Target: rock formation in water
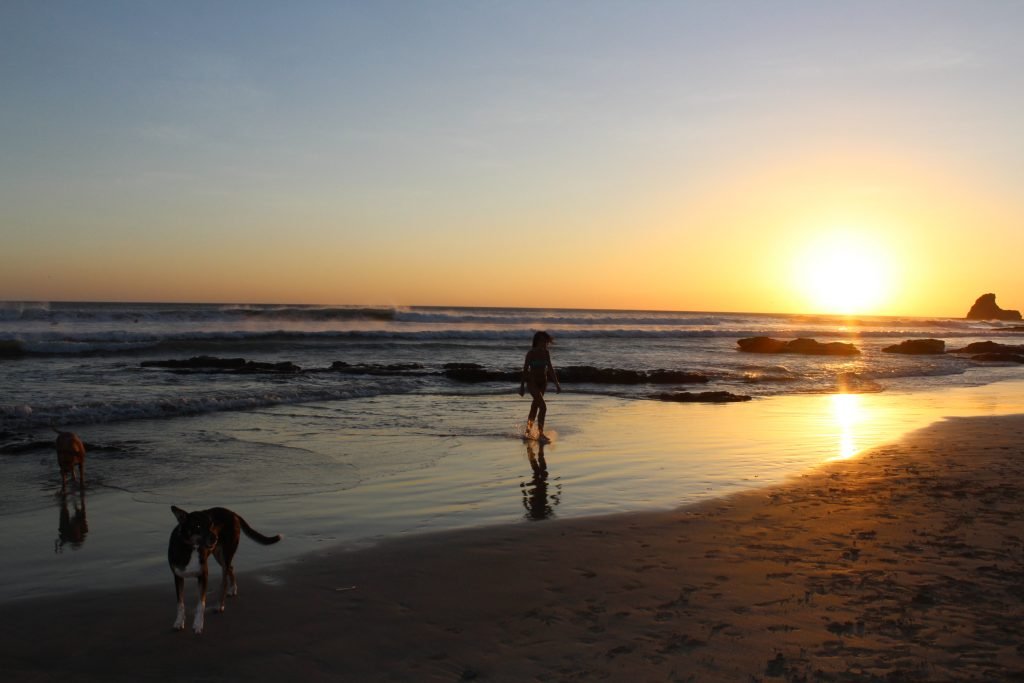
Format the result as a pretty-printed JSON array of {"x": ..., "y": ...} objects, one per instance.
[
  {"x": 701, "y": 397},
  {"x": 990, "y": 347},
  {"x": 985, "y": 308},
  {"x": 993, "y": 352},
  {"x": 810, "y": 347},
  {"x": 576, "y": 374},
  {"x": 918, "y": 347},
  {"x": 214, "y": 364}
]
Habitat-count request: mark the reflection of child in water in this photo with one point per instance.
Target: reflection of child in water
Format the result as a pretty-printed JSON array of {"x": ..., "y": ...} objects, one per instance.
[
  {"x": 536, "y": 500},
  {"x": 536, "y": 369}
]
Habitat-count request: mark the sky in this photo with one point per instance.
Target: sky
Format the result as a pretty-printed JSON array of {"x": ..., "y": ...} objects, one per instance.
[{"x": 732, "y": 155}]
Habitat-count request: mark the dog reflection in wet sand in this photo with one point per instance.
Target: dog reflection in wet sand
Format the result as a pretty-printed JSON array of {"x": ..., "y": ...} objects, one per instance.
[
  {"x": 197, "y": 536},
  {"x": 72, "y": 528},
  {"x": 536, "y": 501}
]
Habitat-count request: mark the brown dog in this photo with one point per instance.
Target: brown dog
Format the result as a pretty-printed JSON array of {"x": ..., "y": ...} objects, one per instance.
[{"x": 70, "y": 452}]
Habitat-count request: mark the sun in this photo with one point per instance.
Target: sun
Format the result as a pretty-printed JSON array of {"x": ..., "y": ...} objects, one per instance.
[{"x": 843, "y": 273}]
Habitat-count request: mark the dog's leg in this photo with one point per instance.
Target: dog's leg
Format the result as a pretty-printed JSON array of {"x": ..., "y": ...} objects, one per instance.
[
  {"x": 179, "y": 589},
  {"x": 228, "y": 585},
  {"x": 198, "y": 621},
  {"x": 81, "y": 474},
  {"x": 225, "y": 577}
]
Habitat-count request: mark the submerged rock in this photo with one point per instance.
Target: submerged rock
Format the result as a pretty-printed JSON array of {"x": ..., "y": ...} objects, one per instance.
[
  {"x": 918, "y": 347},
  {"x": 285, "y": 367},
  {"x": 805, "y": 346},
  {"x": 239, "y": 365},
  {"x": 585, "y": 374},
  {"x": 473, "y": 373},
  {"x": 11, "y": 348},
  {"x": 985, "y": 308},
  {"x": 701, "y": 397},
  {"x": 401, "y": 369},
  {"x": 999, "y": 357},
  {"x": 197, "y": 363}
]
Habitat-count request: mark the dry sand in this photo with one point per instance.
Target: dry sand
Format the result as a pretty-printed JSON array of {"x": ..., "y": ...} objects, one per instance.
[{"x": 902, "y": 564}]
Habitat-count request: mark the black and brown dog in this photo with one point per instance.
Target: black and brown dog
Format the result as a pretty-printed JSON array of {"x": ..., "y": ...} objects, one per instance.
[{"x": 197, "y": 536}]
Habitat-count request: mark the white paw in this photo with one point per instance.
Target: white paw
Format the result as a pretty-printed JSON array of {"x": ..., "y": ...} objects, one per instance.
[{"x": 179, "y": 621}]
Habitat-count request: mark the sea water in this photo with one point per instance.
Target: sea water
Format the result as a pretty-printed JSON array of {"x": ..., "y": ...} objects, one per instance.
[
  {"x": 346, "y": 425},
  {"x": 82, "y": 363}
]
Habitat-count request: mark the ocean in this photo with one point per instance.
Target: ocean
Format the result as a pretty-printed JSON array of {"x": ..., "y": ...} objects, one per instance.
[
  {"x": 84, "y": 363},
  {"x": 350, "y": 424}
]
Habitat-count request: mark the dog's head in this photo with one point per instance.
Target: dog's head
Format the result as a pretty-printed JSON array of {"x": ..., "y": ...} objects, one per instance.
[{"x": 196, "y": 528}]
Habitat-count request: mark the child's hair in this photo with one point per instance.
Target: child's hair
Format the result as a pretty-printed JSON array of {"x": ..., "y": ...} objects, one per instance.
[{"x": 542, "y": 338}]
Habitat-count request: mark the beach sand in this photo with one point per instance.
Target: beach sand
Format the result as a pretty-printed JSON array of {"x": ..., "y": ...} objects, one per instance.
[{"x": 905, "y": 563}]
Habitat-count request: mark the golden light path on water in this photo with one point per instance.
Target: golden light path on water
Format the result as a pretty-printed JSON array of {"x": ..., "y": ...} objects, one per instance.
[
  {"x": 849, "y": 413},
  {"x": 864, "y": 421},
  {"x": 640, "y": 453}
]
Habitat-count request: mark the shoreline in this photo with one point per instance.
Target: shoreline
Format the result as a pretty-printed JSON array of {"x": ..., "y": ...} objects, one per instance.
[
  {"x": 612, "y": 456},
  {"x": 904, "y": 563}
]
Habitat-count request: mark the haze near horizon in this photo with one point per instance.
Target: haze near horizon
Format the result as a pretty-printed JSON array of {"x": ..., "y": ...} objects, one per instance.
[{"x": 794, "y": 157}]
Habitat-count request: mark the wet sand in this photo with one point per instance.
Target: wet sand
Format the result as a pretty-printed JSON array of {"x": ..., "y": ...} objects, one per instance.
[{"x": 902, "y": 564}]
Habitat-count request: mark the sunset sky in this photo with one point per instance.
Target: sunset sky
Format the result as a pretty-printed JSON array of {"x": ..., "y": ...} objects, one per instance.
[{"x": 792, "y": 156}]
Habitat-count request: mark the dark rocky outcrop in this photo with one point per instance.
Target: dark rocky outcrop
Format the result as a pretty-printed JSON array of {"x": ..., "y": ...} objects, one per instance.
[
  {"x": 985, "y": 308},
  {"x": 11, "y": 349},
  {"x": 802, "y": 345},
  {"x": 401, "y": 369},
  {"x": 762, "y": 345},
  {"x": 286, "y": 367},
  {"x": 918, "y": 347},
  {"x": 208, "y": 363},
  {"x": 993, "y": 352},
  {"x": 586, "y": 374},
  {"x": 990, "y": 347},
  {"x": 576, "y": 374},
  {"x": 197, "y": 363},
  {"x": 474, "y": 373},
  {"x": 700, "y": 397}
]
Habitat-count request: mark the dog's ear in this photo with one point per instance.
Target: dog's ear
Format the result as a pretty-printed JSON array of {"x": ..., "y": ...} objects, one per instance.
[{"x": 179, "y": 513}]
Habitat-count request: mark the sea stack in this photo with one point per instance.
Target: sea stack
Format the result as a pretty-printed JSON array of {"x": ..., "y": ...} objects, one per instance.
[{"x": 985, "y": 308}]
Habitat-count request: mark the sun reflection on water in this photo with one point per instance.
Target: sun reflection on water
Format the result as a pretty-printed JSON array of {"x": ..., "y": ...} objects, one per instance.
[{"x": 849, "y": 413}]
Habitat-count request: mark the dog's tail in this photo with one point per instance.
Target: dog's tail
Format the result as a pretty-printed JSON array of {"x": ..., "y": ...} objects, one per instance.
[{"x": 257, "y": 536}]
